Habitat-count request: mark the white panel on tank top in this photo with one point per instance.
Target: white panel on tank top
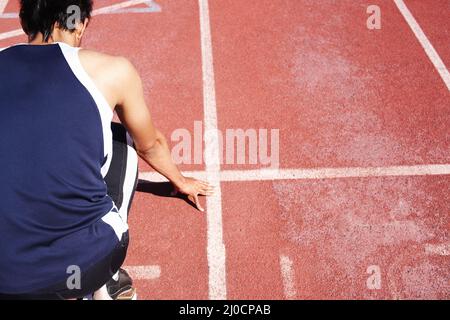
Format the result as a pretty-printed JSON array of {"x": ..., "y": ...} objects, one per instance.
[{"x": 106, "y": 114}]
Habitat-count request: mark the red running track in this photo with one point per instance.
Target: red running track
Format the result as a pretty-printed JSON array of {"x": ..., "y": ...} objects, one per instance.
[{"x": 342, "y": 96}]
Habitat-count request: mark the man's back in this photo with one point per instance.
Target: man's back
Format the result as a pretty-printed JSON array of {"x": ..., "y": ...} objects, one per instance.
[{"x": 52, "y": 149}]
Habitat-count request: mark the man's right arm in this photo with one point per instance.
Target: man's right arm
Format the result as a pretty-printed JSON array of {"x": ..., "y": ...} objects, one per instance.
[{"x": 150, "y": 143}]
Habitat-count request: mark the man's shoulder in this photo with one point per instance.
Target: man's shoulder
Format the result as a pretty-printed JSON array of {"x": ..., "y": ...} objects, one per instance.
[
  {"x": 98, "y": 62},
  {"x": 104, "y": 60}
]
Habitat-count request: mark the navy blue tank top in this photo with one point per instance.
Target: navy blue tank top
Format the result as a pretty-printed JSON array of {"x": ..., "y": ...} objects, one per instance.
[{"x": 55, "y": 148}]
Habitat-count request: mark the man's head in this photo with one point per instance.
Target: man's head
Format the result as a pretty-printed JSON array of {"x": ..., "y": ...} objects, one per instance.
[{"x": 55, "y": 20}]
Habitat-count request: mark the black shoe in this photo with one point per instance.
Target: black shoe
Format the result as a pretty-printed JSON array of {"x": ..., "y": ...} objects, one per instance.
[{"x": 122, "y": 289}]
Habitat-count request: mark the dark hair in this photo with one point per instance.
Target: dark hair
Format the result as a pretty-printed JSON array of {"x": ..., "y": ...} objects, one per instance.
[{"x": 40, "y": 16}]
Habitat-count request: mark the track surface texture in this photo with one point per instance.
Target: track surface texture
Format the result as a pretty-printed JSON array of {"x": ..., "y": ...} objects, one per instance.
[{"x": 359, "y": 206}]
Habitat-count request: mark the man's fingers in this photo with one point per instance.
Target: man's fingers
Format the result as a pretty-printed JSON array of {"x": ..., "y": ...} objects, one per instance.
[
  {"x": 206, "y": 192},
  {"x": 197, "y": 203},
  {"x": 205, "y": 184},
  {"x": 207, "y": 187},
  {"x": 195, "y": 188}
]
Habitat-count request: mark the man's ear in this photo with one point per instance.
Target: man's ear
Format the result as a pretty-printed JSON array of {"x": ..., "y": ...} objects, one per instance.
[{"x": 81, "y": 27}]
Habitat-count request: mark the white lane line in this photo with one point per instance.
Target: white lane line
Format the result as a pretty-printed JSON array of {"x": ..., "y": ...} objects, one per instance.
[
  {"x": 426, "y": 44},
  {"x": 442, "y": 249},
  {"x": 11, "y": 15},
  {"x": 104, "y": 10},
  {"x": 144, "y": 272},
  {"x": 115, "y": 8},
  {"x": 312, "y": 174},
  {"x": 333, "y": 173},
  {"x": 11, "y": 34},
  {"x": 153, "y": 176},
  {"x": 118, "y": 6},
  {"x": 288, "y": 277},
  {"x": 3, "y": 4},
  {"x": 215, "y": 245}
]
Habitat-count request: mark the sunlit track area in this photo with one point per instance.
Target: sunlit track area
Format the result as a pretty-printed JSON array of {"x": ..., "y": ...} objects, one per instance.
[{"x": 323, "y": 127}]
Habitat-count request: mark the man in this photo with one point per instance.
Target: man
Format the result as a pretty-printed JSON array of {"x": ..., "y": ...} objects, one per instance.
[{"x": 67, "y": 178}]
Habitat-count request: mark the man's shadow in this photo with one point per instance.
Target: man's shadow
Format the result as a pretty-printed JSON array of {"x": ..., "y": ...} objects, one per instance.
[{"x": 162, "y": 189}]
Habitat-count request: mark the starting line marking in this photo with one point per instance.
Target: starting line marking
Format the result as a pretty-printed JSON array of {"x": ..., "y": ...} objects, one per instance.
[
  {"x": 112, "y": 9},
  {"x": 311, "y": 174},
  {"x": 426, "y": 44},
  {"x": 144, "y": 272}
]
